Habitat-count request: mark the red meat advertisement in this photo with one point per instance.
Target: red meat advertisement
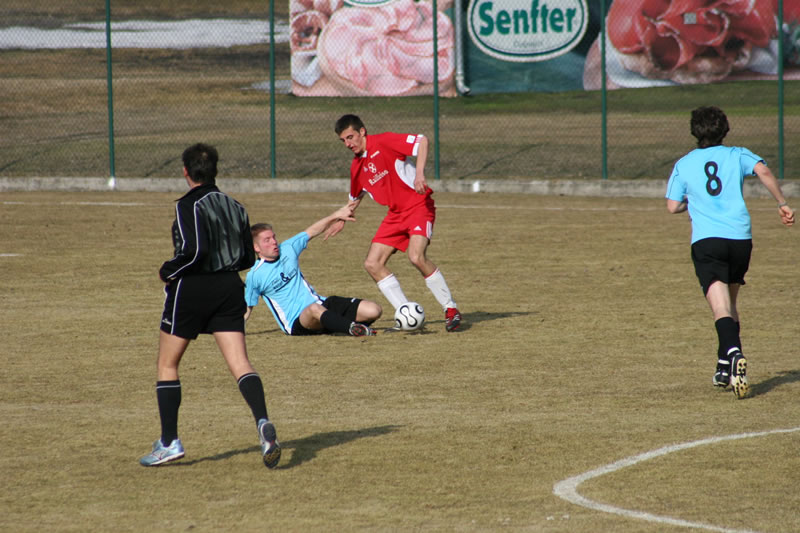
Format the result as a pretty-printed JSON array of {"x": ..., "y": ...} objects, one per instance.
[
  {"x": 663, "y": 42},
  {"x": 369, "y": 48}
]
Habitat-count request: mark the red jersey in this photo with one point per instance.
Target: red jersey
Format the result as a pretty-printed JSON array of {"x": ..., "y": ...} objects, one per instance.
[{"x": 385, "y": 174}]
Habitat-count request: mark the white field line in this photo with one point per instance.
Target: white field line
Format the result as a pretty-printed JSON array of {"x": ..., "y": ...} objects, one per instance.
[
  {"x": 568, "y": 488},
  {"x": 439, "y": 206},
  {"x": 113, "y": 204}
]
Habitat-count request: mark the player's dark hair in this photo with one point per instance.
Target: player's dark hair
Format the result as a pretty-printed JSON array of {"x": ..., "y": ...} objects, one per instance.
[
  {"x": 349, "y": 121},
  {"x": 200, "y": 161},
  {"x": 709, "y": 126},
  {"x": 255, "y": 229}
]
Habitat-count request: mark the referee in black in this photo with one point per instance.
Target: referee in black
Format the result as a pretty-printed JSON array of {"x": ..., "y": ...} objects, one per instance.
[{"x": 204, "y": 294}]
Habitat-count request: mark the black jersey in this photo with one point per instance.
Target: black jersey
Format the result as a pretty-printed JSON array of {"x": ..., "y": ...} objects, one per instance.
[{"x": 211, "y": 233}]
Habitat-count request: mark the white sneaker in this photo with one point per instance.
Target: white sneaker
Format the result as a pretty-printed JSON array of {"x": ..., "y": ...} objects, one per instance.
[
  {"x": 270, "y": 448},
  {"x": 163, "y": 454}
]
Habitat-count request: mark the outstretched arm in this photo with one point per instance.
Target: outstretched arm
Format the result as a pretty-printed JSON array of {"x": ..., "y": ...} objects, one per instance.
[
  {"x": 771, "y": 183},
  {"x": 336, "y": 225},
  {"x": 344, "y": 213}
]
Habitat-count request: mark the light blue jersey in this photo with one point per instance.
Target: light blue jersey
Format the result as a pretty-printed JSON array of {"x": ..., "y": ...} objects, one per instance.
[
  {"x": 281, "y": 283},
  {"x": 711, "y": 179}
]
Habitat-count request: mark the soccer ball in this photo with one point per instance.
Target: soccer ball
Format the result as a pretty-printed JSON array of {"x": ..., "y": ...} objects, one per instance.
[{"x": 409, "y": 317}]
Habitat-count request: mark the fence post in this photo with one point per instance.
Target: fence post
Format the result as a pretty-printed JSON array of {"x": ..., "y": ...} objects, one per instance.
[
  {"x": 435, "y": 91},
  {"x": 272, "y": 157},
  {"x": 112, "y": 180},
  {"x": 780, "y": 90},
  {"x": 603, "y": 92}
]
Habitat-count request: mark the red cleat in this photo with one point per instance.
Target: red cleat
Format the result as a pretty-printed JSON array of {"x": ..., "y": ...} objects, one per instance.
[{"x": 452, "y": 319}]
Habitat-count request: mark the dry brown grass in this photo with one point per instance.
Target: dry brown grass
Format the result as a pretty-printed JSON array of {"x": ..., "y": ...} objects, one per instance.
[
  {"x": 53, "y": 105},
  {"x": 587, "y": 341},
  {"x": 24, "y": 12}
]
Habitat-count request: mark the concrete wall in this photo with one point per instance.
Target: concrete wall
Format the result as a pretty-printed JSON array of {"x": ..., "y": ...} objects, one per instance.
[{"x": 596, "y": 188}]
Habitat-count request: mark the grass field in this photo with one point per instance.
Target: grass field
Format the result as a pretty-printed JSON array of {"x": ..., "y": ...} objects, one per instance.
[{"x": 587, "y": 341}]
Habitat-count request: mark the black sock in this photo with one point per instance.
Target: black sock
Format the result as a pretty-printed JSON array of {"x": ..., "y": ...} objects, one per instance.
[
  {"x": 728, "y": 336},
  {"x": 738, "y": 338},
  {"x": 168, "y": 394},
  {"x": 333, "y": 322},
  {"x": 253, "y": 391}
]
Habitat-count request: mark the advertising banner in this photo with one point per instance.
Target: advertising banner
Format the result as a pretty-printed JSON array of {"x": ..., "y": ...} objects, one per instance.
[
  {"x": 528, "y": 45},
  {"x": 370, "y": 48},
  {"x": 540, "y": 45},
  {"x": 385, "y": 47},
  {"x": 658, "y": 42}
]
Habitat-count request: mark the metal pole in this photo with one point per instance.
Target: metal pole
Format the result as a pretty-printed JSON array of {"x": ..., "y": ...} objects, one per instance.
[
  {"x": 435, "y": 90},
  {"x": 112, "y": 180},
  {"x": 272, "y": 157},
  {"x": 458, "y": 26},
  {"x": 780, "y": 90},
  {"x": 604, "y": 91}
]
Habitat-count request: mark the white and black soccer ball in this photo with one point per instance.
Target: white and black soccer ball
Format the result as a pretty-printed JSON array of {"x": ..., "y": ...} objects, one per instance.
[{"x": 409, "y": 317}]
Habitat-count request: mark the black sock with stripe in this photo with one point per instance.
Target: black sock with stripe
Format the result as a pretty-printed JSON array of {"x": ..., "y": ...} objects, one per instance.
[
  {"x": 252, "y": 389},
  {"x": 728, "y": 334},
  {"x": 168, "y": 394}
]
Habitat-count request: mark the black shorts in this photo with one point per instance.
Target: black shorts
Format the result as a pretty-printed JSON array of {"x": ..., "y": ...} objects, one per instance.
[
  {"x": 342, "y": 306},
  {"x": 725, "y": 260},
  {"x": 204, "y": 303}
]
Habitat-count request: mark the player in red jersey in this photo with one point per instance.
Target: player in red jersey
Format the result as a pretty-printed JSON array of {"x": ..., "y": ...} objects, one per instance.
[{"x": 381, "y": 169}]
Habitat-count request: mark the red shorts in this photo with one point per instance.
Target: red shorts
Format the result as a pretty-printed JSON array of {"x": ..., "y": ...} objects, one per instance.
[{"x": 397, "y": 228}]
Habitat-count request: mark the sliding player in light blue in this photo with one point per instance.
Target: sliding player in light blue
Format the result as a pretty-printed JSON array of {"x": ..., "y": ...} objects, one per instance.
[
  {"x": 708, "y": 182},
  {"x": 296, "y": 306}
]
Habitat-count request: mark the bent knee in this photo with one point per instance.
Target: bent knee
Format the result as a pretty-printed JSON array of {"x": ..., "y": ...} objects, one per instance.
[
  {"x": 373, "y": 267},
  {"x": 369, "y": 310}
]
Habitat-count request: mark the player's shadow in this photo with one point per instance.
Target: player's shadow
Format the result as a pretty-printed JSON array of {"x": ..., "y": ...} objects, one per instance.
[
  {"x": 307, "y": 448},
  {"x": 264, "y": 332},
  {"x": 783, "y": 378},
  {"x": 304, "y": 449},
  {"x": 467, "y": 319}
]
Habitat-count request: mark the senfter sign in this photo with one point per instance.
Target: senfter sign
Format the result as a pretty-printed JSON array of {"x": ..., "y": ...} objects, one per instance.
[{"x": 527, "y": 30}]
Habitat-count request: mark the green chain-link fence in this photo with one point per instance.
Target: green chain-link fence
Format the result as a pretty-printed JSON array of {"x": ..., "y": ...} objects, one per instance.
[{"x": 200, "y": 71}]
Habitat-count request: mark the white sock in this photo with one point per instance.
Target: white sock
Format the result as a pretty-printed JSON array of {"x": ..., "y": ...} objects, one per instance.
[
  {"x": 441, "y": 292},
  {"x": 391, "y": 289}
]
